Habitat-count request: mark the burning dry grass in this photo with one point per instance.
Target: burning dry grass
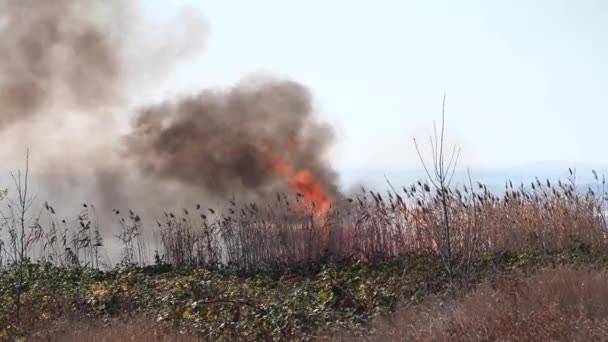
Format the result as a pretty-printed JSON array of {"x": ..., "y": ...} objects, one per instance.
[
  {"x": 370, "y": 227},
  {"x": 373, "y": 227},
  {"x": 563, "y": 304},
  {"x": 286, "y": 232}
]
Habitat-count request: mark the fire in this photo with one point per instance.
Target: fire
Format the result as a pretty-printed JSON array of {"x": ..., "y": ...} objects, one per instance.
[
  {"x": 313, "y": 192},
  {"x": 302, "y": 182}
]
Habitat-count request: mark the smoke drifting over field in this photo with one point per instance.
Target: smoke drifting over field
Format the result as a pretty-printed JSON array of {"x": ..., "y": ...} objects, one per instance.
[
  {"x": 217, "y": 140},
  {"x": 70, "y": 71},
  {"x": 63, "y": 53}
]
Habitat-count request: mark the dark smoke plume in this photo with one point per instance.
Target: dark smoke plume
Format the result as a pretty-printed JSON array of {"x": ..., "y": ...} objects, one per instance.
[
  {"x": 216, "y": 140},
  {"x": 70, "y": 70},
  {"x": 85, "y": 56}
]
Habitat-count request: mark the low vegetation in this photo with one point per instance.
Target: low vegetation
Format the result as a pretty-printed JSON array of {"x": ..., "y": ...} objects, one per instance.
[
  {"x": 557, "y": 304},
  {"x": 316, "y": 302}
]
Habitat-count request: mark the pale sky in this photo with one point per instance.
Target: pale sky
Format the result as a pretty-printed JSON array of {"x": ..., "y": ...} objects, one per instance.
[{"x": 526, "y": 80}]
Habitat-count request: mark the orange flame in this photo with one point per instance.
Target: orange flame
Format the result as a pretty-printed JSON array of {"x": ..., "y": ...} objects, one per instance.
[
  {"x": 313, "y": 192},
  {"x": 302, "y": 182}
]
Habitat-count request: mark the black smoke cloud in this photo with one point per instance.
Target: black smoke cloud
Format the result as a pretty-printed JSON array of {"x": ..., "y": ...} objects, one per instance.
[{"x": 215, "y": 139}]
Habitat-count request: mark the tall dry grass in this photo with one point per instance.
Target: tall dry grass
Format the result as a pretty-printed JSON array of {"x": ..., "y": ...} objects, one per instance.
[{"x": 369, "y": 226}]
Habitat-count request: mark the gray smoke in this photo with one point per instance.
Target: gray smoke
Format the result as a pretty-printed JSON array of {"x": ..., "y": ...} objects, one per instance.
[
  {"x": 70, "y": 71},
  {"x": 62, "y": 53},
  {"x": 226, "y": 141}
]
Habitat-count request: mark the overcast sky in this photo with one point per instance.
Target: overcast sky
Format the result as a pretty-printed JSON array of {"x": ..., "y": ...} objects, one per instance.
[{"x": 526, "y": 81}]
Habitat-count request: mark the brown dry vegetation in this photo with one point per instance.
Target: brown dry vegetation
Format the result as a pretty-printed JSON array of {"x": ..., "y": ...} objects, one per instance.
[
  {"x": 373, "y": 226},
  {"x": 137, "y": 330},
  {"x": 558, "y": 304},
  {"x": 243, "y": 254},
  {"x": 562, "y": 304},
  {"x": 280, "y": 275}
]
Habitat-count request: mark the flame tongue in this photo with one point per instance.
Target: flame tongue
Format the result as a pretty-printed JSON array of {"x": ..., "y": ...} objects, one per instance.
[
  {"x": 303, "y": 183},
  {"x": 313, "y": 192}
]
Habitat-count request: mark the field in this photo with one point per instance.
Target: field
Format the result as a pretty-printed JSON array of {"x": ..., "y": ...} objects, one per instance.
[
  {"x": 199, "y": 171},
  {"x": 420, "y": 263}
]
